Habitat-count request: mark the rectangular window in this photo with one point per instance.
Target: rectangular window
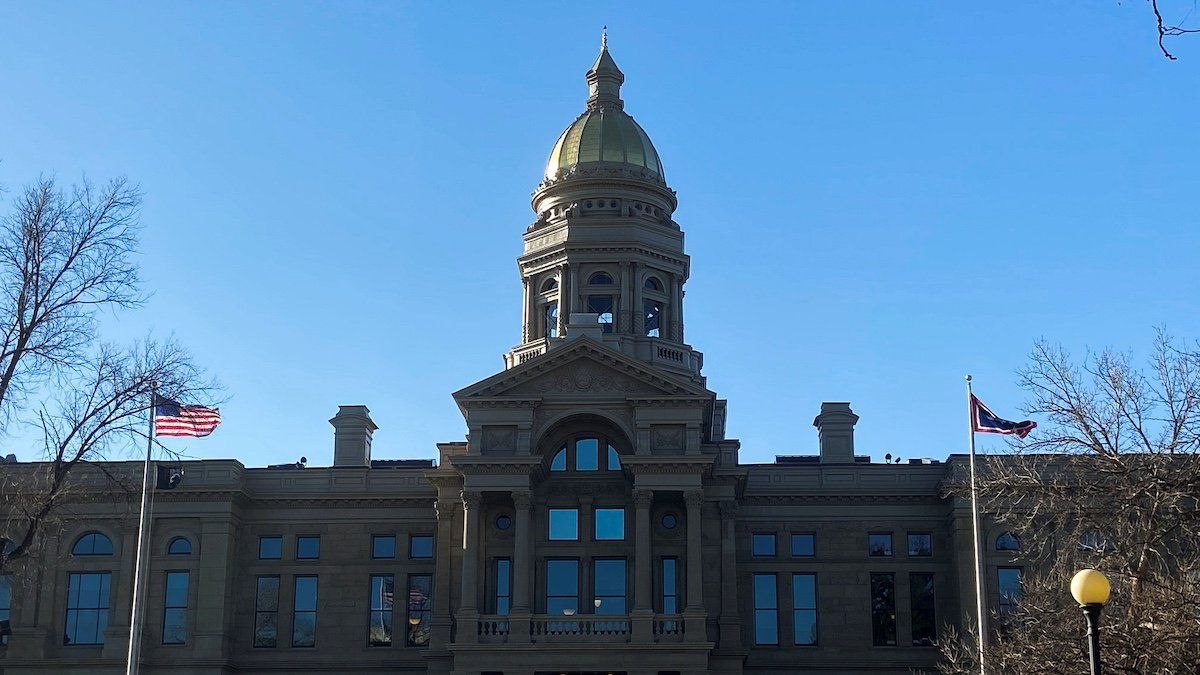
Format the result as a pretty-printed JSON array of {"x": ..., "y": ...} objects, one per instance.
[
  {"x": 924, "y": 625},
  {"x": 382, "y": 599},
  {"x": 420, "y": 608},
  {"x": 308, "y": 548},
  {"x": 270, "y": 548},
  {"x": 564, "y": 524},
  {"x": 1009, "y": 582},
  {"x": 587, "y": 454},
  {"x": 602, "y": 307},
  {"x": 175, "y": 602},
  {"x": 883, "y": 610},
  {"x": 550, "y": 320},
  {"x": 920, "y": 544},
  {"x": 804, "y": 609},
  {"x": 879, "y": 544},
  {"x": 562, "y": 587},
  {"x": 766, "y": 610},
  {"x": 804, "y": 545},
  {"x": 266, "y": 612},
  {"x": 383, "y": 546},
  {"x": 670, "y": 586},
  {"x": 503, "y": 586},
  {"x": 87, "y": 608},
  {"x": 608, "y": 586},
  {"x": 420, "y": 546},
  {"x": 763, "y": 545},
  {"x": 5, "y": 605},
  {"x": 652, "y": 318},
  {"x": 304, "y": 612},
  {"x": 610, "y": 524}
]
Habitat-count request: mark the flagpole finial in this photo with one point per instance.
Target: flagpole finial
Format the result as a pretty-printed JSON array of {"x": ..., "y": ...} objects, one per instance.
[
  {"x": 968, "y": 378},
  {"x": 604, "y": 38}
]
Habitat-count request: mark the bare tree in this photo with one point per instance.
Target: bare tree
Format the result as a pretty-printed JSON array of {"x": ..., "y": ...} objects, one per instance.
[
  {"x": 1111, "y": 480},
  {"x": 64, "y": 257},
  {"x": 1167, "y": 29}
]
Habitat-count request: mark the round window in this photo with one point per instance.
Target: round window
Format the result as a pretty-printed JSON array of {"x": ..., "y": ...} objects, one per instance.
[
  {"x": 669, "y": 521},
  {"x": 503, "y": 521}
]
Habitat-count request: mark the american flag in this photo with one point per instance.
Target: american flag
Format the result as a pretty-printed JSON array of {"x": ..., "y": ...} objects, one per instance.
[
  {"x": 985, "y": 421},
  {"x": 173, "y": 419}
]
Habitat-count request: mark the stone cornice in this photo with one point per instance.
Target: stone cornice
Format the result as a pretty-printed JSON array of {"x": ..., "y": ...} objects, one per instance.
[{"x": 868, "y": 499}]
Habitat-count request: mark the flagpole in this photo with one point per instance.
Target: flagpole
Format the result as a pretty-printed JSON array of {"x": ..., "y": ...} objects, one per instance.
[
  {"x": 975, "y": 534},
  {"x": 137, "y": 612}
]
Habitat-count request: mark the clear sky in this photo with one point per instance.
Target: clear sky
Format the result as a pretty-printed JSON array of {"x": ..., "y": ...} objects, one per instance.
[{"x": 878, "y": 197}]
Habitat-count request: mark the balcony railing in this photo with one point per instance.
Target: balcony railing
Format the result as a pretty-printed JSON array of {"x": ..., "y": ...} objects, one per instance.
[
  {"x": 591, "y": 628},
  {"x": 668, "y": 628}
]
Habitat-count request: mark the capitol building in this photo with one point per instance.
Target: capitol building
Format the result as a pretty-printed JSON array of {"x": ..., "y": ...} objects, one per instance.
[{"x": 597, "y": 518}]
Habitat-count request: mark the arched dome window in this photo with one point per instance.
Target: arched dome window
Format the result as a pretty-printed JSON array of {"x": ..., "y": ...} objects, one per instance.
[
  {"x": 601, "y": 279},
  {"x": 179, "y": 546},
  {"x": 653, "y": 284},
  {"x": 586, "y": 453},
  {"x": 92, "y": 543},
  {"x": 1008, "y": 541},
  {"x": 550, "y": 284}
]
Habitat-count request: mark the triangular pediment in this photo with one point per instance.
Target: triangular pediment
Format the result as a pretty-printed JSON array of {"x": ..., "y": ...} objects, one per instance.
[{"x": 582, "y": 368}]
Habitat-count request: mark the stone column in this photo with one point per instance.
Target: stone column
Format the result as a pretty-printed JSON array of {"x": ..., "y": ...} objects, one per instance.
[
  {"x": 677, "y": 308},
  {"x": 625, "y": 311},
  {"x": 528, "y": 328},
  {"x": 643, "y": 569},
  {"x": 573, "y": 304},
  {"x": 519, "y": 615},
  {"x": 565, "y": 290},
  {"x": 731, "y": 626},
  {"x": 468, "y": 605},
  {"x": 694, "y": 618},
  {"x": 443, "y": 572}
]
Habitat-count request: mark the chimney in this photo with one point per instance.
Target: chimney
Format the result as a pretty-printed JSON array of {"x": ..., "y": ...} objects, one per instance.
[
  {"x": 835, "y": 428},
  {"x": 352, "y": 430}
]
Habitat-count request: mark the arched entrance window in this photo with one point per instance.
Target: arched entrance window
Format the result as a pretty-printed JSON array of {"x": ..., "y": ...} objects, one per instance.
[{"x": 586, "y": 452}]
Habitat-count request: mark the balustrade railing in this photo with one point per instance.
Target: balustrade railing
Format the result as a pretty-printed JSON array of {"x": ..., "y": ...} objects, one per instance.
[
  {"x": 592, "y": 628},
  {"x": 493, "y": 629},
  {"x": 668, "y": 628}
]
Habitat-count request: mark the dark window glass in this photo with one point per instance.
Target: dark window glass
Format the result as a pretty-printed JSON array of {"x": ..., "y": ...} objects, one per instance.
[
  {"x": 564, "y": 524},
  {"x": 1009, "y": 582},
  {"x": 614, "y": 459},
  {"x": 920, "y": 544},
  {"x": 383, "y": 546},
  {"x": 266, "y": 612},
  {"x": 179, "y": 546},
  {"x": 503, "y": 586},
  {"x": 670, "y": 521},
  {"x": 1008, "y": 542},
  {"x": 304, "y": 613},
  {"x": 766, "y": 610},
  {"x": 562, "y": 587},
  {"x": 883, "y": 610},
  {"x": 550, "y": 319},
  {"x": 804, "y": 609},
  {"x": 653, "y": 284},
  {"x": 763, "y": 545},
  {"x": 92, "y": 543},
  {"x": 420, "y": 608},
  {"x": 270, "y": 548},
  {"x": 308, "y": 548},
  {"x": 382, "y": 599},
  {"x": 804, "y": 545},
  {"x": 601, "y": 279},
  {"x": 503, "y": 522},
  {"x": 87, "y": 608},
  {"x": 559, "y": 463},
  {"x": 5, "y": 604},
  {"x": 602, "y": 307},
  {"x": 879, "y": 544},
  {"x": 586, "y": 454},
  {"x": 609, "y": 587},
  {"x": 175, "y": 602},
  {"x": 652, "y": 318},
  {"x": 670, "y": 587},
  {"x": 420, "y": 546},
  {"x": 924, "y": 624},
  {"x": 550, "y": 285},
  {"x": 7, "y": 546},
  {"x": 610, "y": 524}
]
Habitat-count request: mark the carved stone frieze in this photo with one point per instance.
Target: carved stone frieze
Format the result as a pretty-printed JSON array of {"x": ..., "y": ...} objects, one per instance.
[
  {"x": 582, "y": 377},
  {"x": 499, "y": 440}
]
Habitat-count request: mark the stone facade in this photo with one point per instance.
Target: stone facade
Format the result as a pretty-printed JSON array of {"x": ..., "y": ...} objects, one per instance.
[{"x": 597, "y": 519}]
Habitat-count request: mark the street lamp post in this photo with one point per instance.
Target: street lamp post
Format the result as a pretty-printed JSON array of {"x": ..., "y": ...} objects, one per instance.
[{"x": 1091, "y": 589}]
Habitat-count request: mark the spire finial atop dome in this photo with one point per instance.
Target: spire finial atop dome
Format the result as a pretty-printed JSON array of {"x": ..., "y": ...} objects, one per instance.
[{"x": 604, "y": 79}]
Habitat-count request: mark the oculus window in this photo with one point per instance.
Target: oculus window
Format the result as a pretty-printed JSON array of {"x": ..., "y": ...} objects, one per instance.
[
  {"x": 610, "y": 524},
  {"x": 564, "y": 524}
]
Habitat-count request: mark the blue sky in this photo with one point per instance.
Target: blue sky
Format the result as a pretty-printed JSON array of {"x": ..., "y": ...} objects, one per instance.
[{"x": 878, "y": 197}]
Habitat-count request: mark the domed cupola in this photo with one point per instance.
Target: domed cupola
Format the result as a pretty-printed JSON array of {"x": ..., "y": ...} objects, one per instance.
[{"x": 603, "y": 144}]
